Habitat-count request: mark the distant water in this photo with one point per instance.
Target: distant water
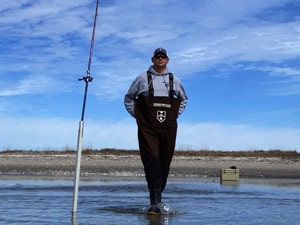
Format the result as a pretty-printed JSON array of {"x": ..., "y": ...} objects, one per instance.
[{"x": 50, "y": 202}]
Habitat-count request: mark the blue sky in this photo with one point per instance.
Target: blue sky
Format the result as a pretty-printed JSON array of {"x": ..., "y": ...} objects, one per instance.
[{"x": 239, "y": 61}]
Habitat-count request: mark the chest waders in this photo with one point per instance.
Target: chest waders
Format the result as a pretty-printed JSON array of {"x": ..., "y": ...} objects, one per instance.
[{"x": 156, "y": 118}]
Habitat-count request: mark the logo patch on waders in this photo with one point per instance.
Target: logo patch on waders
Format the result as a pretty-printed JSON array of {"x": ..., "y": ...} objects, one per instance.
[{"x": 161, "y": 116}]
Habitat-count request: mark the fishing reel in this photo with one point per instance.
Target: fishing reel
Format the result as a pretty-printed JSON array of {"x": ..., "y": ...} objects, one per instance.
[{"x": 87, "y": 78}]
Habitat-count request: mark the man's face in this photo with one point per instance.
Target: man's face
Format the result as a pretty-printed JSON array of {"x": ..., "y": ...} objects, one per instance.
[{"x": 160, "y": 60}]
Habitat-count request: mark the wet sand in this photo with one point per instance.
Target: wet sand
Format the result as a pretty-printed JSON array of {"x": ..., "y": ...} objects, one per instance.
[{"x": 103, "y": 167}]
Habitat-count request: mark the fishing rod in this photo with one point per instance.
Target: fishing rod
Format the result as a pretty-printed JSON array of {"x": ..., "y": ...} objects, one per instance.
[{"x": 86, "y": 79}]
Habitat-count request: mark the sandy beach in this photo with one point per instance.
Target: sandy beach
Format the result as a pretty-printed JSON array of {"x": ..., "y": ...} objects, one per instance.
[{"x": 110, "y": 166}]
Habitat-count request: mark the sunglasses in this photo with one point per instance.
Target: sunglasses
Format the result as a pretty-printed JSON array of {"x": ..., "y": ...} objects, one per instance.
[{"x": 158, "y": 56}]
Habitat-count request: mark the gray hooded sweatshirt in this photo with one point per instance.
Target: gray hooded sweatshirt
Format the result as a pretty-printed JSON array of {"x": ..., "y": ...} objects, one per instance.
[{"x": 160, "y": 86}]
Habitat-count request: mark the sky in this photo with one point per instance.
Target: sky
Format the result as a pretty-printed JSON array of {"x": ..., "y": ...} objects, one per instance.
[{"x": 238, "y": 60}]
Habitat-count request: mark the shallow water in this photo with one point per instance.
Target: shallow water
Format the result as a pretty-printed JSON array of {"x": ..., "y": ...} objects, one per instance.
[{"x": 50, "y": 202}]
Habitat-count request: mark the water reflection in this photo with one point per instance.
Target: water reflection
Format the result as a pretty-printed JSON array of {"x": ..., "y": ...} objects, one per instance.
[
  {"x": 143, "y": 217},
  {"x": 158, "y": 220},
  {"x": 74, "y": 219},
  {"x": 126, "y": 203}
]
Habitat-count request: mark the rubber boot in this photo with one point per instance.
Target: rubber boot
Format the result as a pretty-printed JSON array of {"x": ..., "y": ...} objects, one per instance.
[
  {"x": 155, "y": 200},
  {"x": 155, "y": 196}
]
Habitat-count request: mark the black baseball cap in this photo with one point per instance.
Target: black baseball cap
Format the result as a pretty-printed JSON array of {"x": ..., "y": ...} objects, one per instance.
[{"x": 160, "y": 50}]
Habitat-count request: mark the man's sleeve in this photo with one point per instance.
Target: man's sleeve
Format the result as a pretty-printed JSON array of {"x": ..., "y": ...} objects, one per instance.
[
  {"x": 130, "y": 97},
  {"x": 182, "y": 95}
]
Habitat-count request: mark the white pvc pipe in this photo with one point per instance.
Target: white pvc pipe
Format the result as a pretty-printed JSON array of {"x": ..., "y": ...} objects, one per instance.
[{"x": 77, "y": 172}]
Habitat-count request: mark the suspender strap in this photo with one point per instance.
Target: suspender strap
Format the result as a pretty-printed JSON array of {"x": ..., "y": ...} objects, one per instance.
[
  {"x": 150, "y": 84},
  {"x": 171, "y": 84}
]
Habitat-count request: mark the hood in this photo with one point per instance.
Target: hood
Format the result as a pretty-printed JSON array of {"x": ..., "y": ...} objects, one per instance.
[{"x": 158, "y": 74}]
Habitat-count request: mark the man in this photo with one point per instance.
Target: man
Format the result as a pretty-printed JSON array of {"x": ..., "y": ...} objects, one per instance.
[{"x": 155, "y": 99}]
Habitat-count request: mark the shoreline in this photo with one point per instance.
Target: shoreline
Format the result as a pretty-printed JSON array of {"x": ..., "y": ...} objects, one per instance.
[
  {"x": 109, "y": 166},
  {"x": 127, "y": 167}
]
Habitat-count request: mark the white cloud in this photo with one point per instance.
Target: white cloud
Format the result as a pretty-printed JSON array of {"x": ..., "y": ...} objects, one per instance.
[
  {"x": 214, "y": 32},
  {"x": 26, "y": 86},
  {"x": 58, "y": 133},
  {"x": 45, "y": 50},
  {"x": 236, "y": 137}
]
